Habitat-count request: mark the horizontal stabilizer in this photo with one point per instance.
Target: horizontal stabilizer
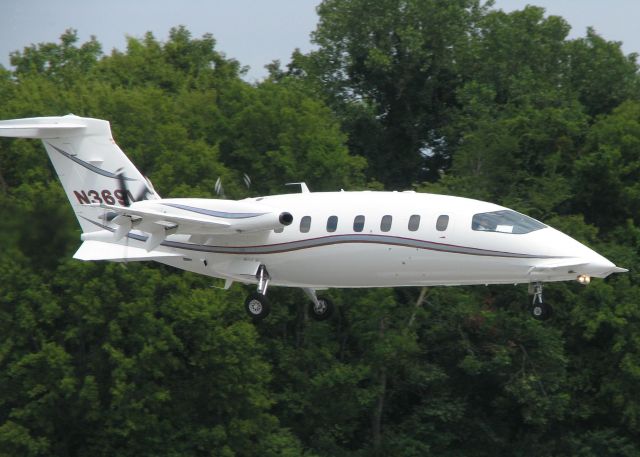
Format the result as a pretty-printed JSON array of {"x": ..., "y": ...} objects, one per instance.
[
  {"x": 41, "y": 127},
  {"x": 99, "y": 250}
]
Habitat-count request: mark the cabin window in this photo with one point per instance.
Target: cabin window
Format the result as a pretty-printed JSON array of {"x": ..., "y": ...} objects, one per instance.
[
  {"x": 505, "y": 221},
  {"x": 385, "y": 223},
  {"x": 414, "y": 222},
  {"x": 442, "y": 223},
  {"x": 332, "y": 223},
  {"x": 305, "y": 224},
  {"x": 358, "y": 223}
]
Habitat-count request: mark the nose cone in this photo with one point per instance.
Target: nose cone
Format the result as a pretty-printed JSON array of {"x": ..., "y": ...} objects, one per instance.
[
  {"x": 581, "y": 259},
  {"x": 601, "y": 267}
]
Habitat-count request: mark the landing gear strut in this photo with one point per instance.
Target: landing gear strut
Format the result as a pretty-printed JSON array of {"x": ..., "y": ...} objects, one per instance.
[
  {"x": 538, "y": 309},
  {"x": 320, "y": 308},
  {"x": 256, "y": 305}
]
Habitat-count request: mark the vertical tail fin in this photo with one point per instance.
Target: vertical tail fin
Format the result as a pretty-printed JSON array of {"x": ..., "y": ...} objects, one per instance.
[{"x": 90, "y": 165}]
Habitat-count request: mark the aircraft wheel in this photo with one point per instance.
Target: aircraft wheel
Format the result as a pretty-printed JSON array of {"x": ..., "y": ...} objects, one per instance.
[
  {"x": 541, "y": 311},
  {"x": 323, "y": 310},
  {"x": 257, "y": 306}
]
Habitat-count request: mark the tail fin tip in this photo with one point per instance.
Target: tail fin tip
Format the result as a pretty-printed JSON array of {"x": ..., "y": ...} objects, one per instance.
[{"x": 43, "y": 127}]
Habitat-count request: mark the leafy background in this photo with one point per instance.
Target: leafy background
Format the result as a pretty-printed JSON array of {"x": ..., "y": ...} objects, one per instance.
[{"x": 447, "y": 97}]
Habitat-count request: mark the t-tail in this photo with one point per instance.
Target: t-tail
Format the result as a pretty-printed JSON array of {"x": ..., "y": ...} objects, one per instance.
[{"x": 90, "y": 165}]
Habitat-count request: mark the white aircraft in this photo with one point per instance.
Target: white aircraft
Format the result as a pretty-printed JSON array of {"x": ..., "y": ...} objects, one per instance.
[{"x": 311, "y": 240}]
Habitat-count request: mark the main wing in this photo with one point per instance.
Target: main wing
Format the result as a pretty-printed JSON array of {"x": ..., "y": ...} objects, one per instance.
[{"x": 163, "y": 217}]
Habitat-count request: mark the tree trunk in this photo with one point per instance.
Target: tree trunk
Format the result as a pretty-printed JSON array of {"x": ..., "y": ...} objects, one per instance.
[
  {"x": 421, "y": 297},
  {"x": 376, "y": 420},
  {"x": 3, "y": 184}
]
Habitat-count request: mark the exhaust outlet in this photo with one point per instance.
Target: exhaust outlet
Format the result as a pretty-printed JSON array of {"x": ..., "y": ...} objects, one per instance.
[{"x": 285, "y": 218}]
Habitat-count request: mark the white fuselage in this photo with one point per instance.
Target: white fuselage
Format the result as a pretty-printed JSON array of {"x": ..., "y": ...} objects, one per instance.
[
  {"x": 309, "y": 240},
  {"x": 380, "y": 255}
]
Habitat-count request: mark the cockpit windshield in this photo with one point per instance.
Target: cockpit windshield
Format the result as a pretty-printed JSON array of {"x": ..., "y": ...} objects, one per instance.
[{"x": 505, "y": 221}]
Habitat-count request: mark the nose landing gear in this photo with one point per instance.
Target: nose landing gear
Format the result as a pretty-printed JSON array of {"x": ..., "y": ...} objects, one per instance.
[{"x": 539, "y": 309}]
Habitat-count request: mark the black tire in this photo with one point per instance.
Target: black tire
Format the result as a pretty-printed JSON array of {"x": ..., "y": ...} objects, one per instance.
[
  {"x": 541, "y": 311},
  {"x": 324, "y": 311},
  {"x": 257, "y": 306}
]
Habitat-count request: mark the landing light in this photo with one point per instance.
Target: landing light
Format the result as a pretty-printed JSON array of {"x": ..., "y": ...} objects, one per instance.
[{"x": 584, "y": 279}]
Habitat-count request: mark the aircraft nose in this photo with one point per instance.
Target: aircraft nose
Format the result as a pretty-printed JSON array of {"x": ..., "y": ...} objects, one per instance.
[
  {"x": 601, "y": 267},
  {"x": 591, "y": 263}
]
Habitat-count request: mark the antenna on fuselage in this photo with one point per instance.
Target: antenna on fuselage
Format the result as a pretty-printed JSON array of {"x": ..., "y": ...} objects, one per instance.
[{"x": 303, "y": 186}]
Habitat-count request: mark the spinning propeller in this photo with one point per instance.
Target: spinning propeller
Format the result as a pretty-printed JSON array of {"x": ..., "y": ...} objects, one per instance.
[
  {"x": 125, "y": 223},
  {"x": 122, "y": 180}
]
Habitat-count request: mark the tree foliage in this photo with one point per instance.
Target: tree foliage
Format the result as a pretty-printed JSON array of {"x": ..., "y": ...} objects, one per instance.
[{"x": 452, "y": 97}]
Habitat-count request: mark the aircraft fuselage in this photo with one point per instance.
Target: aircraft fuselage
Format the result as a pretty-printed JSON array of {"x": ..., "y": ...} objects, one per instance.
[{"x": 382, "y": 239}]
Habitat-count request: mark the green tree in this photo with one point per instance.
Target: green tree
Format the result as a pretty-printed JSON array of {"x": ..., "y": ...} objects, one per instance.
[
  {"x": 283, "y": 135},
  {"x": 63, "y": 63},
  {"x": 140, "y": 359},
  {"x": 608, "y": 172},
  {"x": 603, "y": 76},
  {"x": 390, "y": 69}
]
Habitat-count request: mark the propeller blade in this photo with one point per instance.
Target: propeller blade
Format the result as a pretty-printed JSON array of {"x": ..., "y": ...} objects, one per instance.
[
  {"x": 125, "y": 190},
  {"x": 219, "y": 188},
  {"x": 142, "y": 195},
  {"x": 127, "y": 197},
  {"x": 150, "y": 187}
]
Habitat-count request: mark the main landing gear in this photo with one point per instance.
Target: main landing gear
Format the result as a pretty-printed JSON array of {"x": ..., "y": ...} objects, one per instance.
[
  {"x": 320, "y": 308},
  {"x": 257, "y": 306},
  {"x": 538, "y": 309}
]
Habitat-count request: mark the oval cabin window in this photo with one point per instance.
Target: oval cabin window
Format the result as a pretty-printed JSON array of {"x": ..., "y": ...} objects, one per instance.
[
  {"x": 332, "y": 223},
  {"x": 414, "y": 222},
  {"x": 442, "y": 223},
  {"x": 385, "y": 223},
  {"x": 305, "y": 224}
]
